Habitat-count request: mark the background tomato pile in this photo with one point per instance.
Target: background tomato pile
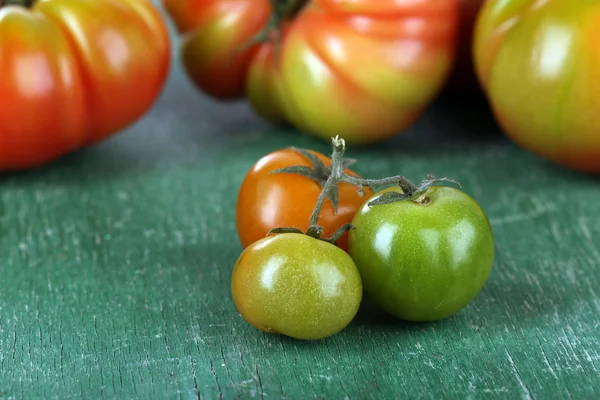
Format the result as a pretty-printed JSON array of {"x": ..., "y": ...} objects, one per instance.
[
  {"x": 369, "y": 69},
  {"x": 75, "y": 73}
]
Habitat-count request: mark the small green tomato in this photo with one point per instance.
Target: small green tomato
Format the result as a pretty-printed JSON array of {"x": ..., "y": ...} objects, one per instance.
[
  {"x": 296, "y": 285},
  {"x": 422, "y": 259}
]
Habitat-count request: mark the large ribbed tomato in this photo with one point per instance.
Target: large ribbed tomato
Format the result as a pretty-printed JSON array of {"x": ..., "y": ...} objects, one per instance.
[
  {"x": 75, "y": 72},
  {"x": 539, "y": 64},
  {"x": 365, "y": 69}
]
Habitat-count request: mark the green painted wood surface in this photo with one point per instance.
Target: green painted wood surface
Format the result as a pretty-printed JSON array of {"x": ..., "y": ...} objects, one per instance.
[{"x": 115, "y": 267}]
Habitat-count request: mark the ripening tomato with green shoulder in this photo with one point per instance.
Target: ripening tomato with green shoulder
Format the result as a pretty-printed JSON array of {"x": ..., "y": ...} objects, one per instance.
[
  {"x": 365, "y": 68},
  {"x": 422, "y": 256},
  {"x": 74, "y": 73},
  {"x": 296, "y": 285},
  {"x": 539, "y": 64},
  {"x": 282, "y": 188}
]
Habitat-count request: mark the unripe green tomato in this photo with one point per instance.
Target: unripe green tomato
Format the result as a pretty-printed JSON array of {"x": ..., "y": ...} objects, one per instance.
[
  {"x": 296, "y": 285},
  {"x": 423, "y": 261}
]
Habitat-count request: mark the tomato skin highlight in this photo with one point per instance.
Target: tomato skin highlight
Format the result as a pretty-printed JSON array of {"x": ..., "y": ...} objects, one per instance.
[
  {"x": 423, "y": 262},
  {"x": 539, "y": 66},
  {"x": 295, "y": 285},
  {"x": 74, "y": 73},
  {"x": 368, "y": 69},
  {"x": 266, "y": 201}
]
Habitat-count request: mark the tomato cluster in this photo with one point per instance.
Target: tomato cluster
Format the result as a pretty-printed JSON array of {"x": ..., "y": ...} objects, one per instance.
[
  {"x": 370, "y": 68},
  {"x": 421, "y": 252},
  {"x": 76, "y": 72}
]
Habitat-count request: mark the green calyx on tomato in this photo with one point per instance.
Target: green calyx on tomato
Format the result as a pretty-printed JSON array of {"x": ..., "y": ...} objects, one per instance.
[
  {"x": 410, "y": 191},
  {"x": 317, "y": 172},
  {"x": 331, "y": 178}
]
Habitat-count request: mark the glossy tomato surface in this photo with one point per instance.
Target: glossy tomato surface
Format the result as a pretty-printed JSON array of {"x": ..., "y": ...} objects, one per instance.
[
  {"x": 74, "y": 73},
  {"x": 423, "y": 262},
  {"x": 540, "y": 66},
  {"x": 267, "y": 200},
  {"x": 366, "y": 68},
  {"x": 297, "y": 286}
]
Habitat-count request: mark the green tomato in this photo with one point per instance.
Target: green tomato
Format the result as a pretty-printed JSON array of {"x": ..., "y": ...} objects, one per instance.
[
  {"x": 296, "y": 285},
  {"x": 423, "y": 260}
]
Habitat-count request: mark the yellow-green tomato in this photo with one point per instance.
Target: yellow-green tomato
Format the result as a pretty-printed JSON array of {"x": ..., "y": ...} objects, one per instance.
[
  {"x": 423, "y": 260},
  {"x": 296, "y": 285}
]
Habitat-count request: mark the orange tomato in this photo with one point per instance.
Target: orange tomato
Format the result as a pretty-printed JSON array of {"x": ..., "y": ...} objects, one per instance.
[
  {"x": 269, "y": 200},
  {"x": 74, "y": 73}
]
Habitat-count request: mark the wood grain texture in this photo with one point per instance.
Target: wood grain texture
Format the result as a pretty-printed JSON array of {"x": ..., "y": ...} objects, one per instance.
[{"x": 116, "y": 260}]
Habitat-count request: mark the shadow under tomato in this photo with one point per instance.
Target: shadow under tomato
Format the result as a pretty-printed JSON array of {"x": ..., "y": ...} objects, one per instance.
[
  {"x": 184, "y": 128},
  {"x": 568, "y": 174},
  {"x": 451, "y": 125},
  {"x": 372, "y": 316},
  {"x": 499, "y": 310},
  {"x": 502, "y": 308},
  {"x": 519, "y": 304}
]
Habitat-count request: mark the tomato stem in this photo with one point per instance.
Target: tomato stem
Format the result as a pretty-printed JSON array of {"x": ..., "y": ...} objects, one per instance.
[
  {"x": 267, "y": 33},
  {"x": 282, "y": 11},
  {"x": 338, "y": 175},
  {"x": 317, "y": 172}
]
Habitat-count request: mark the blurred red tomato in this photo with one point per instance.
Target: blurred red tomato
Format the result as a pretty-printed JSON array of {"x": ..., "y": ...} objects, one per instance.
[
  {"x": 74, "y": 73},
  {"x": 366, "y": 68}
]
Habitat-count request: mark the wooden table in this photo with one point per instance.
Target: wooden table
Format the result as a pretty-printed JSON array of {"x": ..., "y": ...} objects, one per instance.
[{"x": 116, "y": 261}]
